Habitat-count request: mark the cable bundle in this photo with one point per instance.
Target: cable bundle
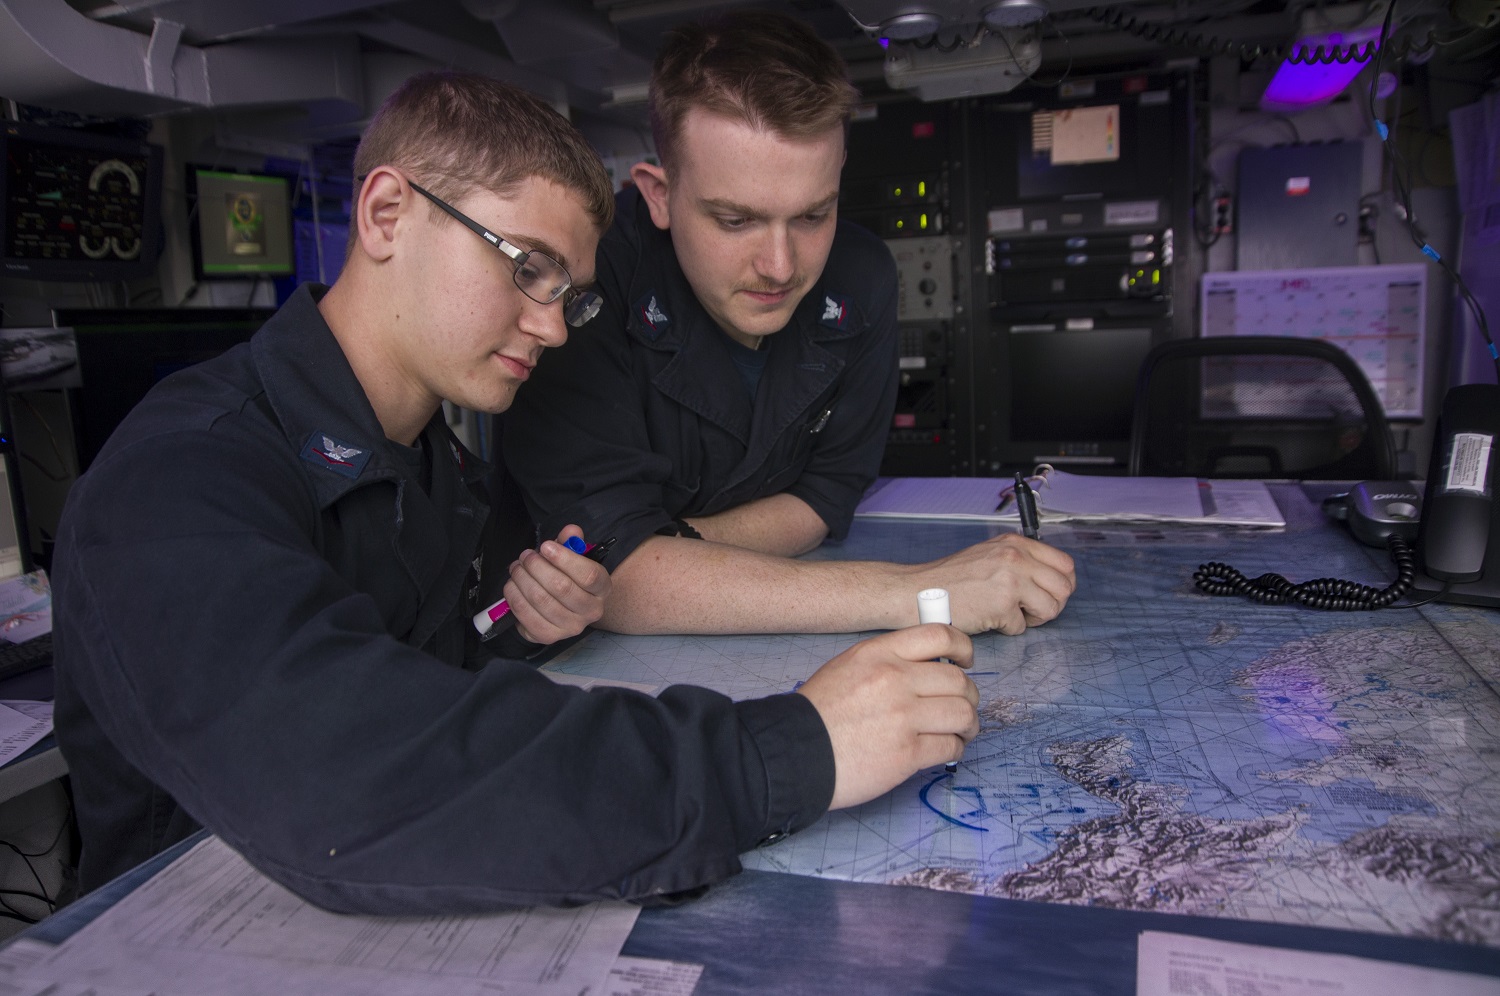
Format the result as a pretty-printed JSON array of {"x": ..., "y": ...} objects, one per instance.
[{"x": 1320, "y": 593}]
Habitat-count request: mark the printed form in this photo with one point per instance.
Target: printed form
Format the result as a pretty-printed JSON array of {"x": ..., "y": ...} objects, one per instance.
[
  {"x": 22, "y": 723},
  {"x": 1183, "y": 965},
  {"x": 209, "y": 922}
]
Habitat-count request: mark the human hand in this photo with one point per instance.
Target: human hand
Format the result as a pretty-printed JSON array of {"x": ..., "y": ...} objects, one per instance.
[
  {"x": 891, "y": 709},
  {"x": 554, "y": 592},
  {"x": 1006, "y": 583}
]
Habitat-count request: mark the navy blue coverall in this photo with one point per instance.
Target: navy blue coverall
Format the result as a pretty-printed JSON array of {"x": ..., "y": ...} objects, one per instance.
[{"x": 262, "y": 628}]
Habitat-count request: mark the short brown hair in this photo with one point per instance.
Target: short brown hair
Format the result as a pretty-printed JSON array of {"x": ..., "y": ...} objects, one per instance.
[
  {"x": 765, "y": 69},
  {"x": 454, "y": 132}
]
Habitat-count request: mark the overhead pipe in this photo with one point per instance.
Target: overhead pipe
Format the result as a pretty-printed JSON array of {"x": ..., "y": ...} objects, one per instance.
[{"x": 52, "y": 56}]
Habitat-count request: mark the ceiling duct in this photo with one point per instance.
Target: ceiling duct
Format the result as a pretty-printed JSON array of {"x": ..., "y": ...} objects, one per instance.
[
  {"x": 560, "y": 29},
  {"x": 54, "y": 57},
  {"x": 566, "y": 39}
]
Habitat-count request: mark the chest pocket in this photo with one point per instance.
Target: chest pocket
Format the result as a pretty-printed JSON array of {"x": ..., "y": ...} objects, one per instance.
[
  {"x": 795, "y": 448},
  {"x": 362, "y": 531}
]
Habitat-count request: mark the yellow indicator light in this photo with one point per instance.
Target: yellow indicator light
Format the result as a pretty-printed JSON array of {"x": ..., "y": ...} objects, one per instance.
[
  {"x": 897, "y": 191},
  {"x": 922, "y": 222},
  {"x": 1156, "y": 276},
  {"x": 921, "y": 188},
  {"x": 900, "y": 223}
]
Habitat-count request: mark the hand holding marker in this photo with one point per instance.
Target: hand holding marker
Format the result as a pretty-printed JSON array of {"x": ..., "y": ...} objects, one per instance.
[
  {"x": 932, "y": 607},
  {"x": 498, "y": 618}
]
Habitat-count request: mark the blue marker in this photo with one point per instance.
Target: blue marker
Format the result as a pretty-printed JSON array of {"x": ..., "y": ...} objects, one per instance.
[{"x": 496, "y": 619}]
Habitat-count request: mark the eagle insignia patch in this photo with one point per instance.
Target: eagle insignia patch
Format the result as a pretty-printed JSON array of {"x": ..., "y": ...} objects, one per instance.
[{"x": 339, "y": 457}]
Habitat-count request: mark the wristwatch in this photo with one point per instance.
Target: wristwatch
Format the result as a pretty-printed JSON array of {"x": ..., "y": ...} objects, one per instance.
[{"x": 677, "y": 527}]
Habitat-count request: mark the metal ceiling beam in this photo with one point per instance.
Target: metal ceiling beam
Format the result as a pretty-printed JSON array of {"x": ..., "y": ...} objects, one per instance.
[
  {"x": 52, "y": 56},
  {"x": 207, "y": 21}
]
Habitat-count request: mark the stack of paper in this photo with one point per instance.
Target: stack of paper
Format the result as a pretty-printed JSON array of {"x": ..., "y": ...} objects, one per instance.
[
  {"x": 210, "y": 923},
  {"x": 1065, "y": 497}
]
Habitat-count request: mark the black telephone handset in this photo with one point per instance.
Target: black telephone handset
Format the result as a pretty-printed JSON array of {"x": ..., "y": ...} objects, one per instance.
[
  {"x": 1456, "y": 540},
  {"x": 1456, "y": 524}
]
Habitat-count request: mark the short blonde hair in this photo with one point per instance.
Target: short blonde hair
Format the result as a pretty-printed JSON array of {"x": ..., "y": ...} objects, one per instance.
[
  {"x": 457, "y": 132},
  {"x": 765, "y": 69}
]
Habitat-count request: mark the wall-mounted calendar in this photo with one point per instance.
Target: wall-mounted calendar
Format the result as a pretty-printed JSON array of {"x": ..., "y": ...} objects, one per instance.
[{"x": 1376, "y": 314}]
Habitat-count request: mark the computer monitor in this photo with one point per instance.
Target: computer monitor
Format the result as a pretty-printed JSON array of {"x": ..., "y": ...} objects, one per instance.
[
  {"x": 1075, "y": 385},
  {"x": 1112, "y": 137},
  {"x": 77, "y": 206},
  {"x": 122, "y": 353},
  {"x": 240, "y": 224}
]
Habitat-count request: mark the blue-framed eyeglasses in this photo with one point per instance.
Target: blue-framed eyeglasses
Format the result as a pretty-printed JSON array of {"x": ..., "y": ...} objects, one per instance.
[{"x": 539, "y": 276}]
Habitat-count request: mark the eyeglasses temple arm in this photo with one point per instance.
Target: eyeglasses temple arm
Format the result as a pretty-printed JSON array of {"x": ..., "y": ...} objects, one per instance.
[{"x": 516, "y": 254}]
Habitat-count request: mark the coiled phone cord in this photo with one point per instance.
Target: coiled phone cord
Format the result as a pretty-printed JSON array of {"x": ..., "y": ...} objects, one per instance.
[{"x": 1320, "y": 593}]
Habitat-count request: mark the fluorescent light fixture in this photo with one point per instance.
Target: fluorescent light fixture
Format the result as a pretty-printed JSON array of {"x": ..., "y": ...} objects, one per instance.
[
  {"x": 911, "y": 26},
  {"x": 1299, "y": 85}
]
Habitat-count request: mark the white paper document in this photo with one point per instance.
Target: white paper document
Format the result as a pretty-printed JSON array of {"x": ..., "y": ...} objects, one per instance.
[
  {"x": 652, "y": 977},
  {"x": 1064, "y": 497},
  {"x": 22, "y": 724},
  {"x": 1183, "y": 965},
  {"x": 211, "y": 923}
]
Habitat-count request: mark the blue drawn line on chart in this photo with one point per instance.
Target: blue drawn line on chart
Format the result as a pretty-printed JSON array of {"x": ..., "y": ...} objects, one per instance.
[{"x": 980, "y": 799}]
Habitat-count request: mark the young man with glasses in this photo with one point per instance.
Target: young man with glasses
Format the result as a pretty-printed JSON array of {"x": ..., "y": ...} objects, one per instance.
[
  {"x": 730, "y": 405},
  {"x": 265, "y": 585}
]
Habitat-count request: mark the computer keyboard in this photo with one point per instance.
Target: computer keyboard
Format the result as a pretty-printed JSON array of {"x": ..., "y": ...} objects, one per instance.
[{"x": 16, "y": 658}]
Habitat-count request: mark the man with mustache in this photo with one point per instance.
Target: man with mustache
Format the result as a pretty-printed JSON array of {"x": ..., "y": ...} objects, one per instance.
[{"x": 728, "y": 408}]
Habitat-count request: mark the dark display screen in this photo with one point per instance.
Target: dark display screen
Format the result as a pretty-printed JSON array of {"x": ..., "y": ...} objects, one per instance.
[
  {"x": 123, "y": 353},
  {"x": 1075, "y": 384},
  {"x": 79, "y": 207}
]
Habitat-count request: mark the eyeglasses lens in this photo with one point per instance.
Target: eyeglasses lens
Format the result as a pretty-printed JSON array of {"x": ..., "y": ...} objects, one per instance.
[
  {"x": 541, "y": 277},
  {"x": 583, "y": 306},
  {"x": 544, "y": 280}
]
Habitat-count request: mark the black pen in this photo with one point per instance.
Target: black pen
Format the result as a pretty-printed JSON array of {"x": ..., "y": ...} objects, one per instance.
[
  {"x": 1031, "y": 528},
  {"x": 496, "y": 619}
]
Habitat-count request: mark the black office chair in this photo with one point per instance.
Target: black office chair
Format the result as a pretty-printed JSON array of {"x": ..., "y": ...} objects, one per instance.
[{"x": 1258, "y": 406}]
